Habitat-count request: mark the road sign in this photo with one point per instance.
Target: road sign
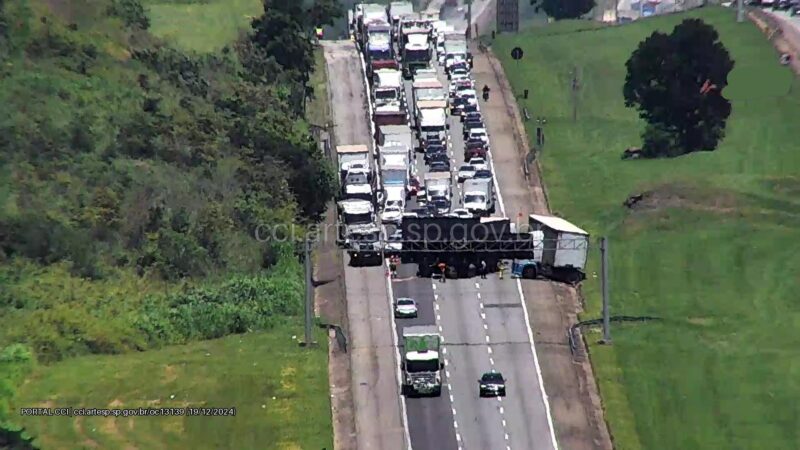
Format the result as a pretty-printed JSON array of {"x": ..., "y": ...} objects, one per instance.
[{"x": 516, "y": 53}]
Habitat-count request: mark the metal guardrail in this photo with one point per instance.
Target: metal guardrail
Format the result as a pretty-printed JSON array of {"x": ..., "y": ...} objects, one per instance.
[{"x": 572, "y": 335}]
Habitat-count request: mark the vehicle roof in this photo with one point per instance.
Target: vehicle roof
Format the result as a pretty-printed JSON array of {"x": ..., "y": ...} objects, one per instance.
[
  {"x": 405, "y": 298},
  {"x": 437, "y": 176},
  {"x": 557, "y": 224},
  {"x": 351, "y": 149},
  {"x": 492, "y": 376},
  {"x": 356, "y": 206},
  {"x": 466, "y": 166}
]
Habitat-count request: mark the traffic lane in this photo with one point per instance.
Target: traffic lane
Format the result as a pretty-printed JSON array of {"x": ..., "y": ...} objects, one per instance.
[
  {"x": 430, "y": 419},
  {"x": 376, "y": 394},
  {"x": 524, "y": 406},
  {"x": 479, "y": 420},
  {"x": 341, "y": 58}
]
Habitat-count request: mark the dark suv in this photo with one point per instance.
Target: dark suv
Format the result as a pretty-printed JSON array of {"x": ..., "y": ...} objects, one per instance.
[{"x": 492, "y": 384}]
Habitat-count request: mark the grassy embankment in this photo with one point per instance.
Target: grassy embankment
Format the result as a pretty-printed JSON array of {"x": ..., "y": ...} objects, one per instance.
[
  {"x": 280, "y": 390},
  {"x": 712, "y": 250}
]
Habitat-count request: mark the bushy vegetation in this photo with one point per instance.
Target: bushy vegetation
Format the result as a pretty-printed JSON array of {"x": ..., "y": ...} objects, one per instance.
[{"x": 132, "y": 179}]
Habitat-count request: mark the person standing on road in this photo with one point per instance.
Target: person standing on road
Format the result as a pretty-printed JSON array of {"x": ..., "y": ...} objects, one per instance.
[
  {"x": 442, "y": 269},
  {"x": 393, "y": 266},
  {"x": 500, "y": 268},
  {"x": 486, "y": 92},
  {"x": 483, "y": 269}
]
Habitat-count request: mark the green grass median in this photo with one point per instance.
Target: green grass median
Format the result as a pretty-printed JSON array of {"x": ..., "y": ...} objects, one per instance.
[{"x": 710, "y": 248}]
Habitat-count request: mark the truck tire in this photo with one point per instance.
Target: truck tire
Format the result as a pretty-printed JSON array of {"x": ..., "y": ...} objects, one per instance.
[{"x": 529, "y": 272}]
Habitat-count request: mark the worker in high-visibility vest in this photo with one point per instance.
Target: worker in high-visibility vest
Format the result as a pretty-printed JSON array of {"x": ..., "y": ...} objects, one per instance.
[{"x": 318, "y": 32}]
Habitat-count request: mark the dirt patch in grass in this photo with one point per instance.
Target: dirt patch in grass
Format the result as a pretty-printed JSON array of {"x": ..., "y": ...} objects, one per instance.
[{"x": 683, "y": 196}]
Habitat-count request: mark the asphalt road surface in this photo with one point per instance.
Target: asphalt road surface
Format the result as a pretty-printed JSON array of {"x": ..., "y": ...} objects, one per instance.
[
  {"x": 483, "y": 325},
  {"x": 378, "y": 405}
]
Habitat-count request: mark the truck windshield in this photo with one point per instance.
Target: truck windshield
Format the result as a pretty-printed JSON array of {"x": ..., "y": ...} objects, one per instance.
[
  {"x": 380, "y": 54},
  {"x": 356, "y": 178},
  {"x": 365, "y": 237},
  {"x": 386, "y": 94},
  {"x": 423, "y": 366},
  {"x": 432, "y": 128},
  {"x": 357, "y": 219},
  {"x": 474, "y": 198},
  {"x": 417, "y": 55},
  {"x": 394, "y": 176}
]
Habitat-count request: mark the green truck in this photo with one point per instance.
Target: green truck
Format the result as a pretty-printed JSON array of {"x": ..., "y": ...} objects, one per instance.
[{"x": 422, "y": 364}]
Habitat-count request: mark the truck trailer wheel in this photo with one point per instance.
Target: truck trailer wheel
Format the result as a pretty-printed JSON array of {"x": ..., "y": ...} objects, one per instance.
[{"x": 529, "y": 272}]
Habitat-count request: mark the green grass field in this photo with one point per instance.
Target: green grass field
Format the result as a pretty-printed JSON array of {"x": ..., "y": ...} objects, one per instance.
[
  {"x": 202, "y": 26},
  {"x": 711, "y": 250},
  {"x": 280, "y": 392}
]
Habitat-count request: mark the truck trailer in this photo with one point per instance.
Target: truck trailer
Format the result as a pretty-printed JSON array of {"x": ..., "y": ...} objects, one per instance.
[
  {"x": 564, "y": 251},
  {"x": 422, "y": 362}
]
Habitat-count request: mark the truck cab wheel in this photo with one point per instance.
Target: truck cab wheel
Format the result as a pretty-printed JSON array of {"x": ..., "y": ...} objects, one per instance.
[{"x": 529, "y": 272}]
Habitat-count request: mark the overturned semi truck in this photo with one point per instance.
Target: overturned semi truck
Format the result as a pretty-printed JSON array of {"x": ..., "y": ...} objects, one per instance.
[{"x": 546, "y": 246}]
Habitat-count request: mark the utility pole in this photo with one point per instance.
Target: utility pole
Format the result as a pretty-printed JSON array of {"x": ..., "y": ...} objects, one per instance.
[
  {"x": 469, "y": 19},
  {"x": 604, "y": 279},
  {"x": 740, "y": 11},
  {"x": 575, "y": 88},
  {"x": 309, "y": 294}
]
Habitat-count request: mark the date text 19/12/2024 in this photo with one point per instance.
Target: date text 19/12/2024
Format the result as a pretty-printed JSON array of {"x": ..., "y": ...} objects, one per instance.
[{"x": 130, "y": 412}]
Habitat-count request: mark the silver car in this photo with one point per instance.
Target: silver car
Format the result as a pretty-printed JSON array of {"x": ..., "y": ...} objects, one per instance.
[{"x": 405, "y": 308}]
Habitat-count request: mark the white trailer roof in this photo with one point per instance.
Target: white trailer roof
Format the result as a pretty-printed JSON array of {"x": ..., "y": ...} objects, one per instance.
[
  {"x": 426, "y": 83},
  {"x": 433, "y": 117},
  {"x": 437, "y": 176},
  {"x": 389, "y": 78},
  {"x": 352, "y": 149},
  {"x": 417, "y": 39},
  {"x": 431, "y": 104},
  {"x": 558, "y": 224}
]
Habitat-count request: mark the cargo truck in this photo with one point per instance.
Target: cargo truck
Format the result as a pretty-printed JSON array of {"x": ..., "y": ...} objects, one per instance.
[
  {"x": 358, "y": 232},
  {"x": 437, "y": 184},
  {"x": 422, "y": 362},
  {"x": 563, "y": 254},
  {"x": 387, "y": 87},
  {"x": 351, "y": 156},
  {"x": 478, "y": 196},
  {"x": 431, "y": 121},
  {"x": 416, "y": 54},
  {"x": 397, "y": 10}
]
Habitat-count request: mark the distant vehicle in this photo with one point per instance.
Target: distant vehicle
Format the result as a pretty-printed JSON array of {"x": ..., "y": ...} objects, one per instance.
[
  {"x": 438, "y": 157},
  {"x": 392, "y": 214},
  {"x": 439, "y": 166},
  {"x": 442, "y": 205},
  {"x": 465, "y": 172},
  {"x": 492, "y": 384},
  {"x": 431, "y": 151},
  {"x": 483, "y": 173},
  {"x": 472, "y": 116},
  {"x": 405, "y": 308},
  {"x": 461, "y": 213},
  {"x": 470, "y": 125},
  {"x": 478, "y": 133},
  {"x": 475, "y": 148},
  {"x": 478, "y": 163},
  {"x": 470, "y": 107}
]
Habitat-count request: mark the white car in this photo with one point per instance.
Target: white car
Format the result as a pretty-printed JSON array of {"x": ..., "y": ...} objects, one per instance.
[
  {"x": 478, "y": 133},
  {"x": 405, "y": 307},
  {"x": 478, "y": 164},
  {"x": 461, "y": 213},
  {"x": 465, "y": 172},
  {"x": 392, "y": 214}
]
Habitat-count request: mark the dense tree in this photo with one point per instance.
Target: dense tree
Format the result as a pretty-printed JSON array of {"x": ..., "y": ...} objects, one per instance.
[
  {"x": 676, "y": 83},
  {"x": 566, "y": 9}
]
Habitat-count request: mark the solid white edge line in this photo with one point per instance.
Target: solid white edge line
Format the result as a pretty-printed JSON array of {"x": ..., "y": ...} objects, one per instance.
[{"x": 545, "y": 399}]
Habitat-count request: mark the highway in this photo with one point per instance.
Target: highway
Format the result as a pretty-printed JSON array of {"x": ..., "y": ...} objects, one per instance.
[
  {"x": 377, "y": 401},
  {"x": 484, "y": 326}
]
